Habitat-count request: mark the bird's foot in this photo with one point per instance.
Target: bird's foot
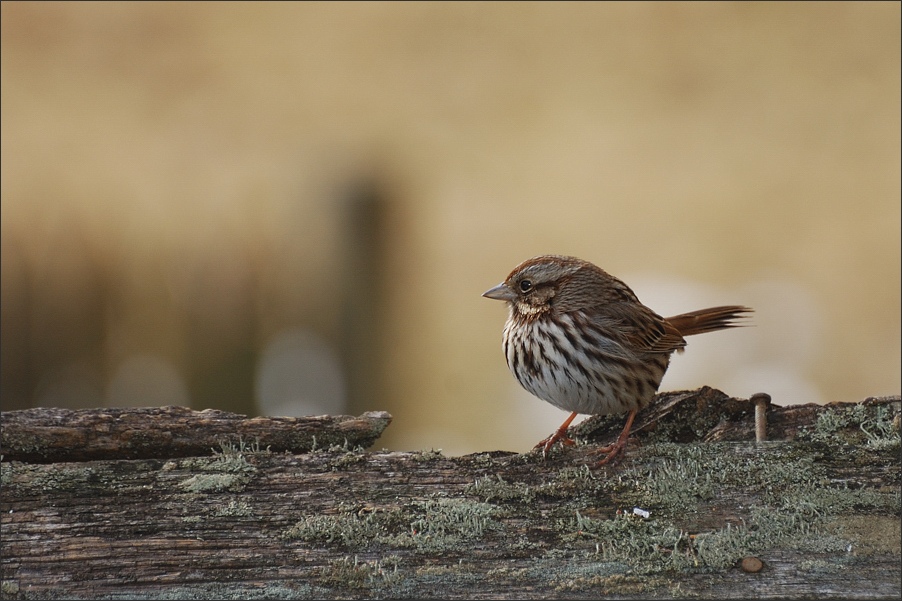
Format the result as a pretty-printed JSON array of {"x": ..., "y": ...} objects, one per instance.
[
  {"x": 613, "y": 452},
  {"x": 559, "y": 436}
]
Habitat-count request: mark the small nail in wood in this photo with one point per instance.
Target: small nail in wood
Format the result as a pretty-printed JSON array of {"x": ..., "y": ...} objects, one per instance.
[{"x": 761, "y": 401}]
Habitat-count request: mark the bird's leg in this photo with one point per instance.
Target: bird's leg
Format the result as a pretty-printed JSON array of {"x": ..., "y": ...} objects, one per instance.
[
  {"x": 559, "y": 435},
  {"x": 615, "y": 450}
]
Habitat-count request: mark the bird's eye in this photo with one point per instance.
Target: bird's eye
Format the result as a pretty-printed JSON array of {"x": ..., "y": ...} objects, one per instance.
[{"x": 525, "y": 286}]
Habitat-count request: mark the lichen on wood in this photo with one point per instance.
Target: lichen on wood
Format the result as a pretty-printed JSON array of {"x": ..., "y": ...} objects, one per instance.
[{"x": 694, "y": 509}]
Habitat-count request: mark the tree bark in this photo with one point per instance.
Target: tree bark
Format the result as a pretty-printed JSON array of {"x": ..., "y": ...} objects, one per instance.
[
  {"x": 53, "y": 435},
  {"x": 220, "y": 509}
]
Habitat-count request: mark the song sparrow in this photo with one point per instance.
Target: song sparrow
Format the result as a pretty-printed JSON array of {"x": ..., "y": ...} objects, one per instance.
[{"x": 579, "y": 338}]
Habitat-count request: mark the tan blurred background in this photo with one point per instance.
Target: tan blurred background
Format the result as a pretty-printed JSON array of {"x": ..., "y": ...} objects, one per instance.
[{"x": 288, "y": 209}]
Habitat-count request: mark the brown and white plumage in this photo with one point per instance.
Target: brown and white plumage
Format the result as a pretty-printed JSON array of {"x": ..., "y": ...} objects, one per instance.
[{"x": 580, "y": 339}]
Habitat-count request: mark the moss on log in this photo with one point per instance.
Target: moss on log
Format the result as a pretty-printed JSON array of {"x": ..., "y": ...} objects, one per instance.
[{"x": 696, "y": 508}]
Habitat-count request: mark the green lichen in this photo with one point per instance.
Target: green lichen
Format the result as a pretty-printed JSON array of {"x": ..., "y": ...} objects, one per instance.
[
  {"x": 646, "y": 544},
  {"x": 233, "y": 509},
  {"x": 649, "y": 546},
  {"x": 815, "y": 566},
  {"x": 231, "y": 457},
  {"x": 833, "y": 500},
  {"x": 347, "y": 459},
  {"x": 455, "y": 518},
  {"x": 348, "y": 528},
  {"x": 427, "y": 455},
  {"x": 9, "y": 588},
  {"x": 443, "y": 523},
  {"x": 344, "y": 447},
  {"x": 6, "y": 472},
  {"x": 348, "y": 572},
  {"x": 766, "y": 529},
  {"x": 868, "y": 427},
  {"x": 793, "y": 495},
  {"x": 79, "y": 477},
  {"x": 216, "y": 463},
  {"x": 232, "y": 469},
  {"x": 496, "y": 488},
  {"x": 456, "y": 576},
  {"x": 674, "y": 478},
  {"x": 209, "y": 483},
  {"x": 575, "y": 484}
]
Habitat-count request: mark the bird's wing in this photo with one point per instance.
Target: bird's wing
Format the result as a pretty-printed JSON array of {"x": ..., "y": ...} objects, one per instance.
[{"x": 644, "y": 330}]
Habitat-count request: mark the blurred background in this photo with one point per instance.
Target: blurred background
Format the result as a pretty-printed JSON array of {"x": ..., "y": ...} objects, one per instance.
[{"x": 292, "y": 209}]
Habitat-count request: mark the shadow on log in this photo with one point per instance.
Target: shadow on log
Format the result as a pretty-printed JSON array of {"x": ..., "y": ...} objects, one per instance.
[{"x": 696, "y": 508}]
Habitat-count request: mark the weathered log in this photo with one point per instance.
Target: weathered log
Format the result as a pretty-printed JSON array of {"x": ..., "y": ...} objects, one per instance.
[
  {"x": 707, "y": 414},
  {"x": 815, "y": 515},
  {"x": 46, "y": 435}
]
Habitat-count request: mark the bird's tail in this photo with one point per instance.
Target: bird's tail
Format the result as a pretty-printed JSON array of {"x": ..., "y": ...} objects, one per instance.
[{"x": 709, "y": 320}]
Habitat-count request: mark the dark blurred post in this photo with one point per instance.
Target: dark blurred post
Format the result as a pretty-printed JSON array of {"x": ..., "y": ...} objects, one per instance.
[
  {"x": 220, "y": 329},
  {"x": 18, "y": 379},
  {"x": 360, "y": 337},
  {"x": 53, "y": 319}
]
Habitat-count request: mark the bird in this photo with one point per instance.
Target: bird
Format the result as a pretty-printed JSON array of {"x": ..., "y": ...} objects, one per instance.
[{"x": 580, "y": 339}]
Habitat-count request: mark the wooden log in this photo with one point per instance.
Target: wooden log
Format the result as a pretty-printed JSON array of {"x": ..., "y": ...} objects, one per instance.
[
  {"x": 46, "y": 435},
  {"x": 816, "y": 515}
]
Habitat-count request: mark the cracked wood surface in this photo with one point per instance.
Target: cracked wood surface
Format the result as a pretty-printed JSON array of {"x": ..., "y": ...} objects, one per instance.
[{"x": 818, "y": 505}]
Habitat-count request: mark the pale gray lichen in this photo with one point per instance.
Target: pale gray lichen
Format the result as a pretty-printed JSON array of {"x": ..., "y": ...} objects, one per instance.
[{"x": 422, "y": 525}]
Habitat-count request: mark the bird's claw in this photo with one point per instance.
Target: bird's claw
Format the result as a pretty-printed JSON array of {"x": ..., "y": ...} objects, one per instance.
[
  {"x": 548, "y": 443},
  {"x": 613, "y": 452}
]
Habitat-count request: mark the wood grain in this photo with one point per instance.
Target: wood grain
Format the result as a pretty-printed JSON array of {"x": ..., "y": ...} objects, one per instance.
[{"x": 820, "y": 512}]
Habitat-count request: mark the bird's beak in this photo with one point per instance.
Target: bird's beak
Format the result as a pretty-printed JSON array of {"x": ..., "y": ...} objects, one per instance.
[{"x": 501, "y": 292}]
